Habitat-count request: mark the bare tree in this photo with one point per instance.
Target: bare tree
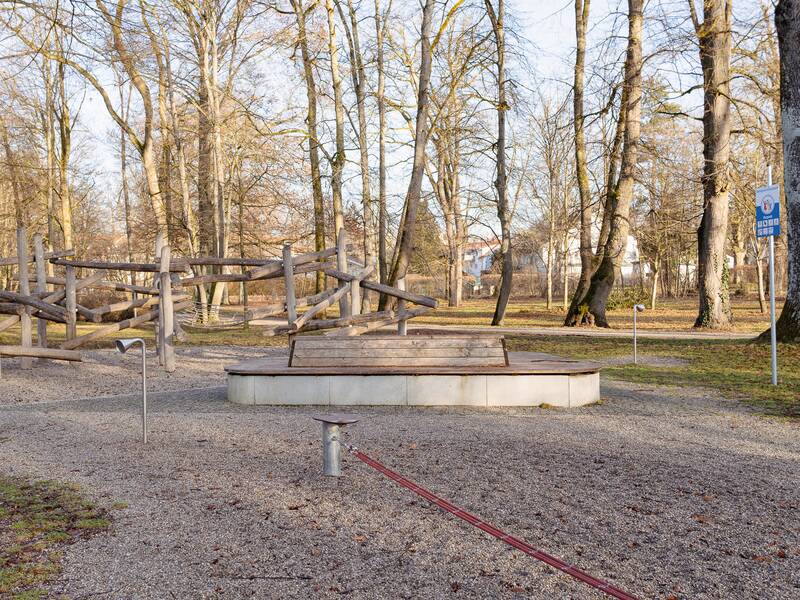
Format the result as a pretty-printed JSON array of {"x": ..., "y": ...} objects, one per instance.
[
  {"x": 787, "y": 24},
  {"x": 714, "y": 36},
  {"x": 497, "y": 18},
  {"x": 592, "y": 307},
  {"x": 405, "y": 242}
]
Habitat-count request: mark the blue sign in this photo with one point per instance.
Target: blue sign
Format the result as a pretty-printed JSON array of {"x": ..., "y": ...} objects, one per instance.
[{"x": 768, "y": 211}]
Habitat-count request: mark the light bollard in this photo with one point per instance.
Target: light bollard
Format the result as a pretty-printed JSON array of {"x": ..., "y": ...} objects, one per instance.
[
  {"x": 122, "y": 347},
  {"x": 637, "y": 308},
  {"x": 331, "y": 449}
]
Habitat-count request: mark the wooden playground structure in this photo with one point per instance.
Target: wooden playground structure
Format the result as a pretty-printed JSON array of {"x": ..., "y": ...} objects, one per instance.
[{"x": 177, "y": 284}]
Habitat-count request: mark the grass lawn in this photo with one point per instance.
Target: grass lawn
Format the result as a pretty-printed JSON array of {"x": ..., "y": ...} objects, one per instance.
[
  {"x": 738, "y": 368},
  {"x": 37, "y": 520},
  {"x": 670, "y": 315}
]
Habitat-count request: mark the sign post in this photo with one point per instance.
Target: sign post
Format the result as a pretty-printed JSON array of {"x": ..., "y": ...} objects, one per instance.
[{"x": 768, "y": 224}]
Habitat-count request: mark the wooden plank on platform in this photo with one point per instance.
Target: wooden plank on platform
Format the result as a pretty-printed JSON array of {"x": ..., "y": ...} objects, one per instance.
[{"x": 413, "y": 341}]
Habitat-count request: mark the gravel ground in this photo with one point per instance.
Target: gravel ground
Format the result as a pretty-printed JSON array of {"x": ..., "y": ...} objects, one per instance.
[
  {"x": 107, "y": 373},
  {"x": 663, "y": 493}
]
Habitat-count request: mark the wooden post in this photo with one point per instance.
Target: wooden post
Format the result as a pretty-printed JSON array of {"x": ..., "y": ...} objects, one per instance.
[
  {"x": 355, "y": 298},
  {"x": 71, "y": 303},
  {"x": 25, "y": 290},
  {"x": 159, "y": 329},
  {"x": 288, "y": 279},
  {"x": 341, "y": 265},
  {"x": 402, "y": 325},
  {"x": 166, "y": 316},
  {"x": 41, "y": 286}
]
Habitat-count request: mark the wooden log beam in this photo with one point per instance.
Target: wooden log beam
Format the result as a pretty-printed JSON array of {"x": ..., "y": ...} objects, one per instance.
[
  {"x": 264, "y": 274},
  {"x": 166, "y": 311},
  {"x": 276, "y": 273},
  {"x": 32, "y": 302},
  {"x": 26, "y": 323},
  {"x": 87, "y": 314},
  {"x": 127, "y": 305},
  {"x": 385, "y": 289},
  {"x": 298, "y": 323},
  {"x": 276, "y": 309},
  {"x": 232, "y": 261},
  {"x": 12, "y": 308},
  {"x": 71, "y": 302},
  {"x": 179, "y": 265},
  {"x": 394, "y": 317},
  {"x": 96, "y": 282},
  {"x": 53, "y": 353},
  {"x": 14, "y": 260},
  {"x": 41, "y": 286},
  {"x": 8, "y": 322},
  {"x": 101, "y": 332},
  {"x": 275, "y": 268},
  {"x": 328, "y": 323}
]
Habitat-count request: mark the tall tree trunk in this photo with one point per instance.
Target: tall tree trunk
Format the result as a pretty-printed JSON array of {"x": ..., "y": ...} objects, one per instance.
[
  {"x": 359, "y": 77},
  {"x": 65, "y": 138},
  {"x": 123, "y": 177},
  {"x": 313, "y": 139},
  {"x": 714, "y": 36},
  {"x": 405, "y": 242},
  {"x": 380, "y": 28},
  {"x": 48, "y": 125},
  {"x": 11, "y": 165},
  {"x": 581, "y": 164},
  {"x": 592, "y": 309},
  {"x": 497, "y": 19},
  {"x": 205, "y": 174},
  {"x": 787, "y": 23},
  {"x": 338, "y": 161}
]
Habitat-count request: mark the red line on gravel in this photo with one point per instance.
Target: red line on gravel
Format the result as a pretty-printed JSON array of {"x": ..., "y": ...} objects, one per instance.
[{"x": 515, "y": 542}]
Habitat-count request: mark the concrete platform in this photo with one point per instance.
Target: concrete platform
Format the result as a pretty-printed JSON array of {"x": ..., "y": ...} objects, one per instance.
[{"x": 530, "y": 379}]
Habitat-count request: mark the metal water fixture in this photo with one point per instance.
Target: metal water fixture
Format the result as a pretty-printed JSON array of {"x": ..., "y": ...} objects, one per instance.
[
  {"x": 123, "y": 346},
  {"x": 331, "y": 449}
]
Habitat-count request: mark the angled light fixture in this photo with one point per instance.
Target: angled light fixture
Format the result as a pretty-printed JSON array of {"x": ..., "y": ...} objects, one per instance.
[{"x": 123, "y": 346}]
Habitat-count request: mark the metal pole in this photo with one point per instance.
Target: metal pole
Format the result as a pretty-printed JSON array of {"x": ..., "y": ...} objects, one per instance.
[
  {"x": 634, "y": 334},
  {"x": 331, "y": 457},
  {"x": 772, "y": 332},
  {"x": 144, "y": 395}
]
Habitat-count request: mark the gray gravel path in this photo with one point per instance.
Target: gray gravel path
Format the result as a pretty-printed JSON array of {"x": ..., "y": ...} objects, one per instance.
[{"x": 665, "y": 494}]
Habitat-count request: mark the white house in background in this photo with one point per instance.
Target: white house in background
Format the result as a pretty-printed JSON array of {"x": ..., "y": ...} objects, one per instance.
[
  {"x": 631, "y": 261},
  {"x": 478, "y": 257}
]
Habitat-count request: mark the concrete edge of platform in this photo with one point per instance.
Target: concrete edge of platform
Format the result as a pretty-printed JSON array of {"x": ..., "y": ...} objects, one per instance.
[{"x": 567, "y": 390}]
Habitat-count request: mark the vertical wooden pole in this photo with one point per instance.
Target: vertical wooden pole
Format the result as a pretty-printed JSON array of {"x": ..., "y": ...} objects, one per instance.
[
  {"x": 166, "y": 312},
  {"x": 25, "y": 290},
  {"x": 402, "y": 326},
  {"x": 159, "y": 332},
  {"x": 288, "y": 279},
  {"x": 71, "y": 303},
  {"x": 41, "y": 286},
  {"x": 355, "y": 298},
  {"x": 341, "y": 265}
]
